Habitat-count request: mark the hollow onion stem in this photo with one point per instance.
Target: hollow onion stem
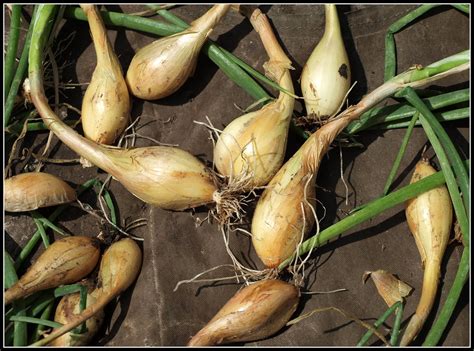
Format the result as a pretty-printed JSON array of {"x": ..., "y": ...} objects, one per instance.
[
  {"x": 19, "y": 74},
  {"x": 9, "y": 67},
  {"x": 402, "y": 110},
  {"x": 34, "y": 320},
  {"x": 390, "y": 51},
  {"x": 379, "y": 322},
  {"x": 401, "y": 152},
  {"x": 396, "y": 326},
  {"x": 45, "y": 315},
  {"x": 447, "y": 116}
]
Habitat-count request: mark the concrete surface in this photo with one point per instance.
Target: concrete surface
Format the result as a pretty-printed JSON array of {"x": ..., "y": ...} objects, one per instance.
[{"x": 175, "y": 249}]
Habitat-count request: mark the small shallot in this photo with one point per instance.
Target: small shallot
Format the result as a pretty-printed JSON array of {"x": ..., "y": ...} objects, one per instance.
[
  {"x": 119, "y": 268},
  {"x": 255, "y": 312},
  {"x": 326, "y": 76},
  {"x": 430, "y": 219},
  {"x": 106, "y": 103},
  {"x": 33, "y": 190},
  {"x": 162, "y": 67},
  {"x": 69, "y": 306},
  {"x": 253, "y": 145},
  {"x": 65, "y": 261}
]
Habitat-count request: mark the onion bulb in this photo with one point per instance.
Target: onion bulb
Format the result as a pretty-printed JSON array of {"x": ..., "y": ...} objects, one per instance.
[
  {"x": 30, "y": 191},
  {"x": 119, "y": 268},
  {"x": 162, "y": 67},
  {"x": 68, "y": 306},
  {"x": 285, "y": 212},
  {"x": 163, "y": 176},
  {"x": 255, "y": 312},
  {"x": 429, "y": 217},
  {"x": 65, "y": 261},
  {"x": 106, "y": 103},
  {"x": 326, "y": 76},
  {"x": 252, "y": 147}
]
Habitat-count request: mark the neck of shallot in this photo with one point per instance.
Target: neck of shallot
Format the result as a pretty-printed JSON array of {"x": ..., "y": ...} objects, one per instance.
[
  {"x": 99, "y": 35},
  {"x": 209, "y": 20},
  {"x": 93, "y": 152},
  {"x": 332, "y": 26},
  {"x": 279, "y": 64}
]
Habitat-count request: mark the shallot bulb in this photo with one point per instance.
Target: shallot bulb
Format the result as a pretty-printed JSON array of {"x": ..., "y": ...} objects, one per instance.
[
  {"x": 65, "y": 261},
  {"x": 430, "y": 218},
  {"x": 326, "y": 76},
  {"x": 30, "y": 191},
  {"x": 255, "y": 312},
  {"x": 106, "y": 103},
  {"x": 68, "y": 306},
  {"x": 251, "y": 149},
  {"x": 119, "y": 268},
  {"x": 162, "y": 67}
]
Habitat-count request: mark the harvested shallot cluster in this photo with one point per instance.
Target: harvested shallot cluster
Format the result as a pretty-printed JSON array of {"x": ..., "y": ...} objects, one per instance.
[{"x": 262, "y": 183}]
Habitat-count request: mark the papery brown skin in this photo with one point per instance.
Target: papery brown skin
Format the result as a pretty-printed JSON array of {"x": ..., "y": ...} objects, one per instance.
[
  {"x": 429, "y": 217},
  {"x": 65, "y": 261},
  {"x": 106, "y": 104},
  {"x": 162, "y": 67},
  {"x": 69, "y": 306},
  {"x": 119, "y": 268},
  {"x": 30, "y": 191},
  {"x": 389, "y": 287},
  {"x": 255, "y": 312}
]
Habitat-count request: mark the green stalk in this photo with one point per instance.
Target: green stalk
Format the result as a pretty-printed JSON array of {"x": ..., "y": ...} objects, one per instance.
[
  {"x": 17, "y": 335},
  {"x": 40, "y": 227},
  {"x": 45, "y": 315},
  {"x": 462, "y": 276},
  {"x": 456, "y": 60},
  {"x": 398, "y": 111},
  {"x": 67, "y": 290},
  {"x": 390, "y": 51},
  {"x": 396, "y": 326},
  {"x": 46, "y": 222},
  {"x": 10, "y": 277},
  {"x": 109, "y": 202},
  {"x": 378, "y": 323},
  {"x": 462, "y": 7},
  {"x": 34, "y": 320},
  {"x": 400, "y": 154},
  {"x": 41, "y": 301},
  {"x": 15, "y": 128},
  {"x": 9, "y": 67},
  {"x": 19, "y": 74},
  {"x": 447, "y": 116},
  {"x": 369, "y": 211},
  {"x": 20, "y": 333},
  {"x": 173, "y": 19},
  {"x": 429, "y": 123},
  {"x": 118, "y": 19}
]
